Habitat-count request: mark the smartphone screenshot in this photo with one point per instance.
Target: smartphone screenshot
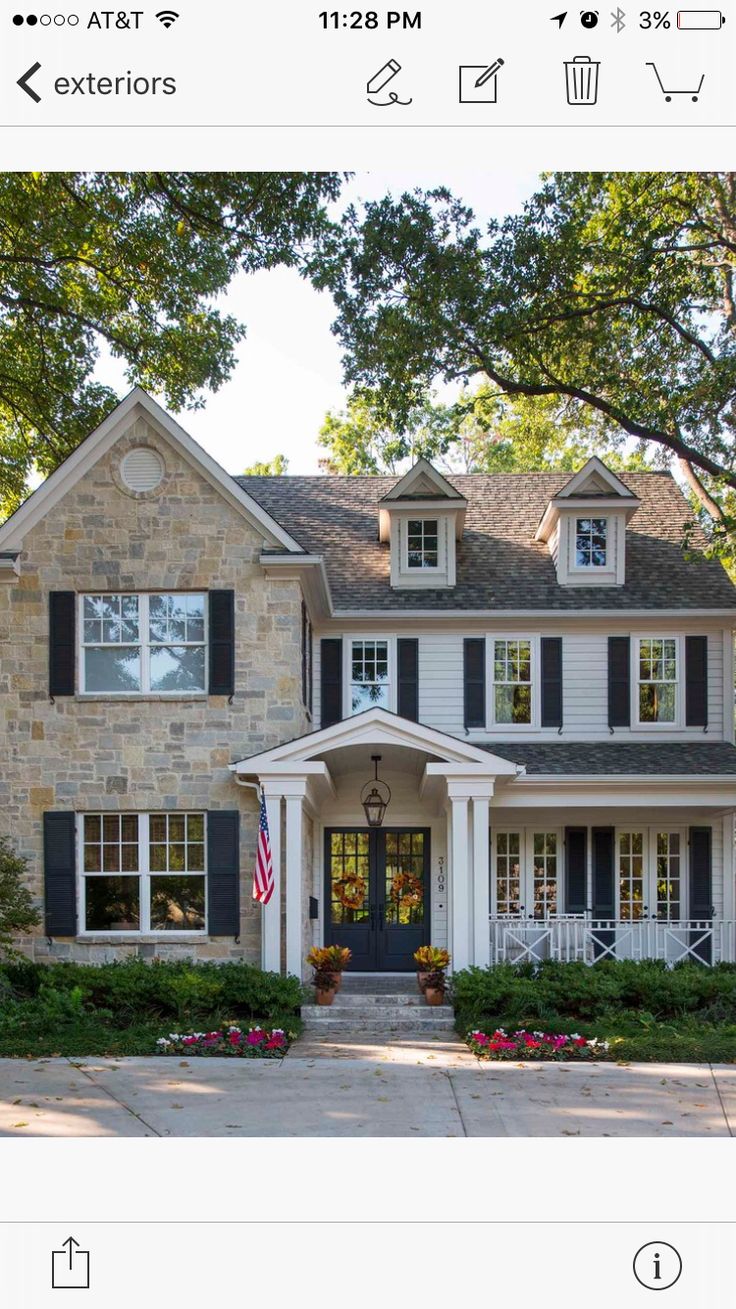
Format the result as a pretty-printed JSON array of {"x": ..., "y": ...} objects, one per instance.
[{"x": 367, "y": 609}]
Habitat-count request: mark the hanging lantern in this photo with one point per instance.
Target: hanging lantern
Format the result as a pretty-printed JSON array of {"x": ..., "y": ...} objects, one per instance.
[{"x": 375, "y": 797}]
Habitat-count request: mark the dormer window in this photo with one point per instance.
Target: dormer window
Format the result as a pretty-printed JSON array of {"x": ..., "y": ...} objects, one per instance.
[
  {"x": 591, "y": 543},
  {"x": 423, "y": 543}
]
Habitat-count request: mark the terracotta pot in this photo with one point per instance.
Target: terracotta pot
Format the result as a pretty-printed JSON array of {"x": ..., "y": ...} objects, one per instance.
[
  {"x": 433, "y": 995},
  {"x": 326, "y": 997},
  {"x": 337, "y": 980},
  {"x": 422, "y": 979}
]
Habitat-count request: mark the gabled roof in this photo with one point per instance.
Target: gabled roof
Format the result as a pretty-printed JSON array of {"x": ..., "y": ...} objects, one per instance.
[
  {"x": 422, "y": 482},
  {"x": 594, "y": 479},
  {"x": 626, "y": 758},
  {"x": 500, "y": 566},
  {"x": 86, "y": 455}
]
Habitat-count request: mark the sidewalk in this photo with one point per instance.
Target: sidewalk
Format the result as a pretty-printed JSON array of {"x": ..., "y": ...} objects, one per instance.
[{"x": 393, "y": 1089}]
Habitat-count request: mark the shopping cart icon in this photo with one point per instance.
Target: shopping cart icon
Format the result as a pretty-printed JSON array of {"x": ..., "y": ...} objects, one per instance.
[
  {"x": 581, "y": 78},
  {"x": 669, "y": 94}
]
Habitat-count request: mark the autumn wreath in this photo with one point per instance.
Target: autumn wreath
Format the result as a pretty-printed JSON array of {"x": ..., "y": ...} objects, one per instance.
[
  {"x": 407, "y": 889},
  {"x": 350, "y": 891}
]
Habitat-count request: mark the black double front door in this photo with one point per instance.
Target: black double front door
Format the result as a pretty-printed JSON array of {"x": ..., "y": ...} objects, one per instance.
[{"x": 377, "y": 895}]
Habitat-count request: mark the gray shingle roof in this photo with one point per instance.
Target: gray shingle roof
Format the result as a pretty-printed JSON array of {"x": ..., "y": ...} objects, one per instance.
[
  {"x": 690, "y": 758},
  {"x": 499, "y": 564}
]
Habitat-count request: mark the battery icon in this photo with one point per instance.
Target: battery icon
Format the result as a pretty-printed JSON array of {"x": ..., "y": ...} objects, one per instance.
[{"x": 700, "y": 20}]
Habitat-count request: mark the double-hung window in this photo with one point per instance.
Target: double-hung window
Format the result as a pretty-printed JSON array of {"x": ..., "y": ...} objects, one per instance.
[
  {"x": 512, "y": 681},
  {"x": 143, "y": 643},
  {"x": 369, "y": 675},
  {"x": 423, "y": 543},
  {"x": 591, "y": 543},
  {"x": 657, "y": 679},
  {"x": 143, "y": 872}
]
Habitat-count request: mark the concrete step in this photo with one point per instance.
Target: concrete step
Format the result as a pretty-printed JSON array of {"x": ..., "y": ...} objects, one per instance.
[
  {"x": 381, "y": 984},
  {"x": 351, "y": 1035},
  {"x": 357, "y": 999},
  {"x": 378, "y": 1015}
]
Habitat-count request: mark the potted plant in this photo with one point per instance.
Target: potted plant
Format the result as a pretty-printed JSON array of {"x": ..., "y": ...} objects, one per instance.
[
  {"x": 434, "y": 987},
  {"x": 325, "y": 978},
  {"x": 429, "y": 958},
  {"x": 337, "y": 958}
]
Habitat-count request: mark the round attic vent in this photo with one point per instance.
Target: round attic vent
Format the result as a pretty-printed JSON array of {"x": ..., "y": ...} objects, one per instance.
[{"x": 141, "y": 469}]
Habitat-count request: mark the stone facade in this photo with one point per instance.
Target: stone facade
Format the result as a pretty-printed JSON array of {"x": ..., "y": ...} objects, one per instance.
[{"x": 146, "y": 752}]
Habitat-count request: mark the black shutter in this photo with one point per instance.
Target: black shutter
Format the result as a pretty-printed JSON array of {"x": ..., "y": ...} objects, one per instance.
[
  {"x": 696, "y": 681},
  {"x": 223, "y": 872},
  {"x": 60, "y": 882},
  {"x": 408, "y": 661},
  {"x": 576, "y": 869},
  {"x": 222, "y": 642},
  {"x": 604, "y": 888},
  {"x": 474, "y": 680},
  {"x": 62, "y": 627},
  {"x": 551, "y": 681},
  {"x": 331, "y": 681},
  {"x": 619, "y": 681},
  {"x": 701, "y": 890}
]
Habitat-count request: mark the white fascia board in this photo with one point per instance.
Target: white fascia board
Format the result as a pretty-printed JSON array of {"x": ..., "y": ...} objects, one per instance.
[
  {"x": 619, "y": 790},
  {"x": 617, "y": 616},
  {"x": 422, "y": 468},
  {"x": 56, "y": 485},
  {"x": 595, "y": 465}
]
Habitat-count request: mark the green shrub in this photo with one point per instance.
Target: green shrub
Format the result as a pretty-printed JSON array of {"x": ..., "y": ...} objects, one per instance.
[{"x": 17, "y": 911}]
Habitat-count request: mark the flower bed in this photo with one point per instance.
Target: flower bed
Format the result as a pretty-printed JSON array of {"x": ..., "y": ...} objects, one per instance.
[
  {"x": 535, "y": 1045},
  {"x": 232, "y": 1042}
]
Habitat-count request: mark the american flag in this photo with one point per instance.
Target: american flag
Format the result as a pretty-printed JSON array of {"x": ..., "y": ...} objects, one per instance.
[{"x": 263, "y": 871}]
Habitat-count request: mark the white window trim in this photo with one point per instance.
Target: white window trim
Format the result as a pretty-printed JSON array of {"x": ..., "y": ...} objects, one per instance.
[
  {"x": 590, "y": 569},
  {"x": 347, "y": 669},
  {"x": 526, "y": 873},
  {"x": 536, "y": 716},
  {"x": 144, "y": 874},
  {"x": 679, "y": 719},
  {"x": 441, "y": 565},
  {"x": 145, "y": 648},
  {"x": 649, "y": 846}
]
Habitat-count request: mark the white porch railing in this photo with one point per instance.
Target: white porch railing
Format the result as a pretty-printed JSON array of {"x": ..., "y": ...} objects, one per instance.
[{"x": 586, "y": 940}]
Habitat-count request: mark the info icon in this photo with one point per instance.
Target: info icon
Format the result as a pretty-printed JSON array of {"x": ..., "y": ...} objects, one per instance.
[{"x": 657, "y": 1266}]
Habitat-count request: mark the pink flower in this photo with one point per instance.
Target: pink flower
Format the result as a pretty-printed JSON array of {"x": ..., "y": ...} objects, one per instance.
[
  {"x": 189, "y": 1040},
  {"x": 234, "y": 1038},
  {"x": 255, "y": 1037},
  {"x": 275, "y": 1042}
]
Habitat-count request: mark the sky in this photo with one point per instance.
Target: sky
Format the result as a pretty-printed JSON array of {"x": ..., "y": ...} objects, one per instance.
[{"x": 289, "y": 372}]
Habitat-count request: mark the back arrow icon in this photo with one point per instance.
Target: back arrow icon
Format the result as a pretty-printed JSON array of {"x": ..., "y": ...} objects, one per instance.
[{"x": 23, "y": 82}]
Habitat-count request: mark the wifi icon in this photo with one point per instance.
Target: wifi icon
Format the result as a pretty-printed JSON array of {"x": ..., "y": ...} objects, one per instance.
[{"x": 167, "y": 17}]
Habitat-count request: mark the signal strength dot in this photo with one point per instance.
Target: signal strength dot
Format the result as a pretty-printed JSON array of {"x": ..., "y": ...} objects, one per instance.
[{"x": 167, "y": 17}]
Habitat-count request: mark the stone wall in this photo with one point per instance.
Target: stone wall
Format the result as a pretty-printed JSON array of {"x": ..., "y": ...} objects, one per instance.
[{"x": 147, "y": 752}]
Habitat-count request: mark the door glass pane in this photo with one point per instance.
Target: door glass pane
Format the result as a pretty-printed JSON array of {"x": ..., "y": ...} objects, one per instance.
[
  {"x": 631, "y": 875},
  {"x": 349, "y": 877},
  {"x": 669, "y": 903},
  {"x": 545, "y": 874},
  {"x": 404, "y": 879},
  {"x": 508, "y": 872}
]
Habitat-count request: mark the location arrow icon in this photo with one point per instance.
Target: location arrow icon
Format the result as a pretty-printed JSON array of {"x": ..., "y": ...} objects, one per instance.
[
  {"x": 558, "y": 18},
  {"x": 24, "y": 80}
]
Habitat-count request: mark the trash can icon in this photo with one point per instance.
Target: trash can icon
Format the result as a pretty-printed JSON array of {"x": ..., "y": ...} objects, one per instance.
[{"x": 581, "y": 75}]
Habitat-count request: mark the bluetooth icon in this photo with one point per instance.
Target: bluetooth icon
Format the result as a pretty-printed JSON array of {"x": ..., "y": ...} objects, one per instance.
[{"x": 618, "y": 19}]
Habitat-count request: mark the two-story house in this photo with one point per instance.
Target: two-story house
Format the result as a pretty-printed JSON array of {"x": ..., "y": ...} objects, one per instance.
[{"x": 491, "y": 712}]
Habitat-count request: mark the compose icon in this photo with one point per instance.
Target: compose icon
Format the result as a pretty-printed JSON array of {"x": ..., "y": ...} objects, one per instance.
[{"x": 479, "y": 83}]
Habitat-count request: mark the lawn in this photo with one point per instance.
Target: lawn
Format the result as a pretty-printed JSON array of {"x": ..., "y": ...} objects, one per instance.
[
  {"x": 646, "y": 1011},
  {"x": 123, "y": 1008}
]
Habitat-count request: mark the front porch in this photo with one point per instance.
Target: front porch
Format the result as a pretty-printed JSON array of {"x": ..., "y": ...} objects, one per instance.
[{"x": 478, "y": 856}]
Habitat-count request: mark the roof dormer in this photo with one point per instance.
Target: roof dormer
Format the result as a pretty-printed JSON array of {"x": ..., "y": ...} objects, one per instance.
[
  {"x": 584, "y": 526},
  {"x": 422, "y": 517}
]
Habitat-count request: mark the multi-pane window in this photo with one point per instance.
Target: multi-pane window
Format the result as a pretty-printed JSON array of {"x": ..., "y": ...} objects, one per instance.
[
  {"x": 369, "y": 675},
  {"x": 657, "y": 680},
  {"x": 631, "y": 875},
  {"x": 350, "y": 868},
  {"x": 138, "y": 643},
  {"x": 591, "y": 543},
  {"x": 508, "y": 872},
  {"x": 143, "y": 872},
  {"x": 512, "y": 678},
  {"x": 669, "y": 879},
  {"x": 544, "y": 888},
  {"x": 423, "y": 542}
]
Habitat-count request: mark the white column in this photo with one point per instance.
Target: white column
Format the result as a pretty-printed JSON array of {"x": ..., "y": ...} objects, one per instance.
[
  {"x": 271, "y": 913},
  {"x": 481, "y": 880},
  {"x": 460, "y": 854},
  {"x": 294, "y": 874},
  {"x": 729, "y": 889}
]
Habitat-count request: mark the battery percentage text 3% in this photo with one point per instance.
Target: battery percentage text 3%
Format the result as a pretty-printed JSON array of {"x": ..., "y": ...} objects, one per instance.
[{"x": 653, "y": 20}]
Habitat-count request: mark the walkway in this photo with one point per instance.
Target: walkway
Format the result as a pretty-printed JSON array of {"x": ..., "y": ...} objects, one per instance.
[{"x": 399, "y": 1088}]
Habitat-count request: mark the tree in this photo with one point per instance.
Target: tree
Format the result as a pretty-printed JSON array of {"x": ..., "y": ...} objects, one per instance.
[
  {"x": 134, "y": 261},
  {"x": 275, "y": 467},
  {"x": 17, "y": 910},
  {"x": 481, "y": 432},
  {"x": 611, "y": 293}
]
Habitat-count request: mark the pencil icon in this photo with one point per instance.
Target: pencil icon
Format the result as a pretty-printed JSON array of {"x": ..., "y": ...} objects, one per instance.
[
  {"x": 490, "y": 72},
  {"x": 383, "y": 76}
]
